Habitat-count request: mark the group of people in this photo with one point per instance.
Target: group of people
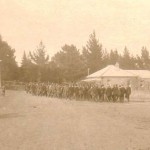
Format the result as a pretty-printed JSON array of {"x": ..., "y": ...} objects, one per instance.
[{"x": 80, "y": 91}]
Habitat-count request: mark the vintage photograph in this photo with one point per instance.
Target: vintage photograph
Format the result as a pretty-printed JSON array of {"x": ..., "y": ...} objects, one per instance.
[{"x": 74, "y": 75}]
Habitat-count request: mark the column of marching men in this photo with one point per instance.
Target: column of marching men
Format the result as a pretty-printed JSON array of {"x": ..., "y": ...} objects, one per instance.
[{"x": 80, "y": 91}]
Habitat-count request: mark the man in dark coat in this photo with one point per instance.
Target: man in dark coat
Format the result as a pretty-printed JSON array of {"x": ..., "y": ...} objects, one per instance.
[
  {"x": 122, "y": 93},
  {"x": 99, "y": 92},
  {"x": 115, "y": 92},
  {"x": 109, "y": 93},
  {"x": 128, "y": 92},
  {"x": 3, "y": 90},
  {"x": 103, "y": 90}
]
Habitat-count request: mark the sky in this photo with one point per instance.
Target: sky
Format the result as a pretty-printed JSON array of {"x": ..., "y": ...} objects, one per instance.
[{"x": 117, "y": 23}]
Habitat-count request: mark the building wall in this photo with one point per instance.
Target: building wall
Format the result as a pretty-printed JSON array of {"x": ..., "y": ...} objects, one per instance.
[
  {"x": 120, "y": 80},
  {"x": 144, "y": 84}
]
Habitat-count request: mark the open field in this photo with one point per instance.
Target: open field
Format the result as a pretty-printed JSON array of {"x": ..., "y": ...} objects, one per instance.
[{"x": 39, "y": 123}]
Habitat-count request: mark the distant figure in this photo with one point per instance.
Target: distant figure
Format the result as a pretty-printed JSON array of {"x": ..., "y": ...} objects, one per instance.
[
  {"x": 128, "y": 92},
  {"x": 103, "y": 90},
  {"x": 115, "y": 92},
  {"x": 122, "y": 93},
  {"x": 3, "y": 90},
  {"x": 109, "y": 93}
]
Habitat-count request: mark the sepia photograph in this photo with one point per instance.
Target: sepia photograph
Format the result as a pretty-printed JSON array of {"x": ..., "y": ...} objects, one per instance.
[{"x": 74, "y": 75}]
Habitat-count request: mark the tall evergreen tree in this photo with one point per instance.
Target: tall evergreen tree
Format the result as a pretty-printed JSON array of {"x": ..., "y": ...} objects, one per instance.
[
  {"x": 24, "y": 59},
  {"x": 113, "y": 57},
  {"x": 145, "y": 58},
  {"x": 106, "y": 59},
  {"x": 93, "y": 53},
  {"x": 40, "y": 58},
  {"x": 125, "y": 60},
  {"x": 70, "y": 63},
  {"x": 9, "y": 66},
  {"x": 28, "y": 70}
]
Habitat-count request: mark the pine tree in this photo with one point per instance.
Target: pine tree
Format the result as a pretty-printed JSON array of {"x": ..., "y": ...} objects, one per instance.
[
  {"x": 93, "y": 53},
  {"x": 106, "y": 59},
  {"x": 70, "y": 63},
  {"x": 113, "y": 57},
  {"x": 24, "y": 59},
  {"x": 39, "y": 56},
  {"x": 125, "y": 60},
  {"x": 41, "y": 59},
  {"x": 9, "y": 66},
  {"x": 145, "y": 58},
  {"x": 28, "y": 70}
]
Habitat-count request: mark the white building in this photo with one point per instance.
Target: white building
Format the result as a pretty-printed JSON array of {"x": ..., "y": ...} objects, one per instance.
[{"x": 112, "y": 74}]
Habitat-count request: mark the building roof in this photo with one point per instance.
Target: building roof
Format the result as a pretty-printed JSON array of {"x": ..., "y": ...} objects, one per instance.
[
  {"x": 145, "y": 74},
  {"x": 112, "y": 71}
]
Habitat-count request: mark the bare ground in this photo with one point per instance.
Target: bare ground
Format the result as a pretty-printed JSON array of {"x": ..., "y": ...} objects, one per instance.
[{"x": 39, "y": 123}]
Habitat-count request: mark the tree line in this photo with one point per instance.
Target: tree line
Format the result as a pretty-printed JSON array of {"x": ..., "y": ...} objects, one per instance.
[{"x": 69, "y": 64}]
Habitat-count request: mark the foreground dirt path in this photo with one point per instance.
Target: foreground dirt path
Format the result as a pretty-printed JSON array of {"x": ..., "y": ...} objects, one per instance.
[{"x": 38, "y": 123}]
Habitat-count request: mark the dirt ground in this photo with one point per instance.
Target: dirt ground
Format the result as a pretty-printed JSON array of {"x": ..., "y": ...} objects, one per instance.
[{"x": 39, "y": 123}]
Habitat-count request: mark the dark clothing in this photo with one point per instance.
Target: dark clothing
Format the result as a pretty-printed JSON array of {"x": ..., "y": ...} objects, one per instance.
[
  {"x": 78, "y": 91},
  {"x": 99, "y": 93},
  {"x": 128, "y": 93},
  {"x": 103, "y": 90},
  {"x": 115, "y": 93},
  {"x": 122, "y": 94},
  {"x": 109, "y": 93},
  {"x": 3, "y": 90}
]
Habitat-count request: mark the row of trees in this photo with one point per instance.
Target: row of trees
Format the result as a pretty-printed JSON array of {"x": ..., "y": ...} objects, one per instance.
[
  {"x": 69, "y": 64},
  {"x": 8, "y": 65}
]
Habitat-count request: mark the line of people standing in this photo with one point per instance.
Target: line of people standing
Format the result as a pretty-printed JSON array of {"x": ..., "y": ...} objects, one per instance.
[{"x": 80, "y": 91}]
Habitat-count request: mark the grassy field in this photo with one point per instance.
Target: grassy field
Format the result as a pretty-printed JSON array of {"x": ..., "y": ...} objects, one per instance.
[{"x": 39, "y": 123}]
